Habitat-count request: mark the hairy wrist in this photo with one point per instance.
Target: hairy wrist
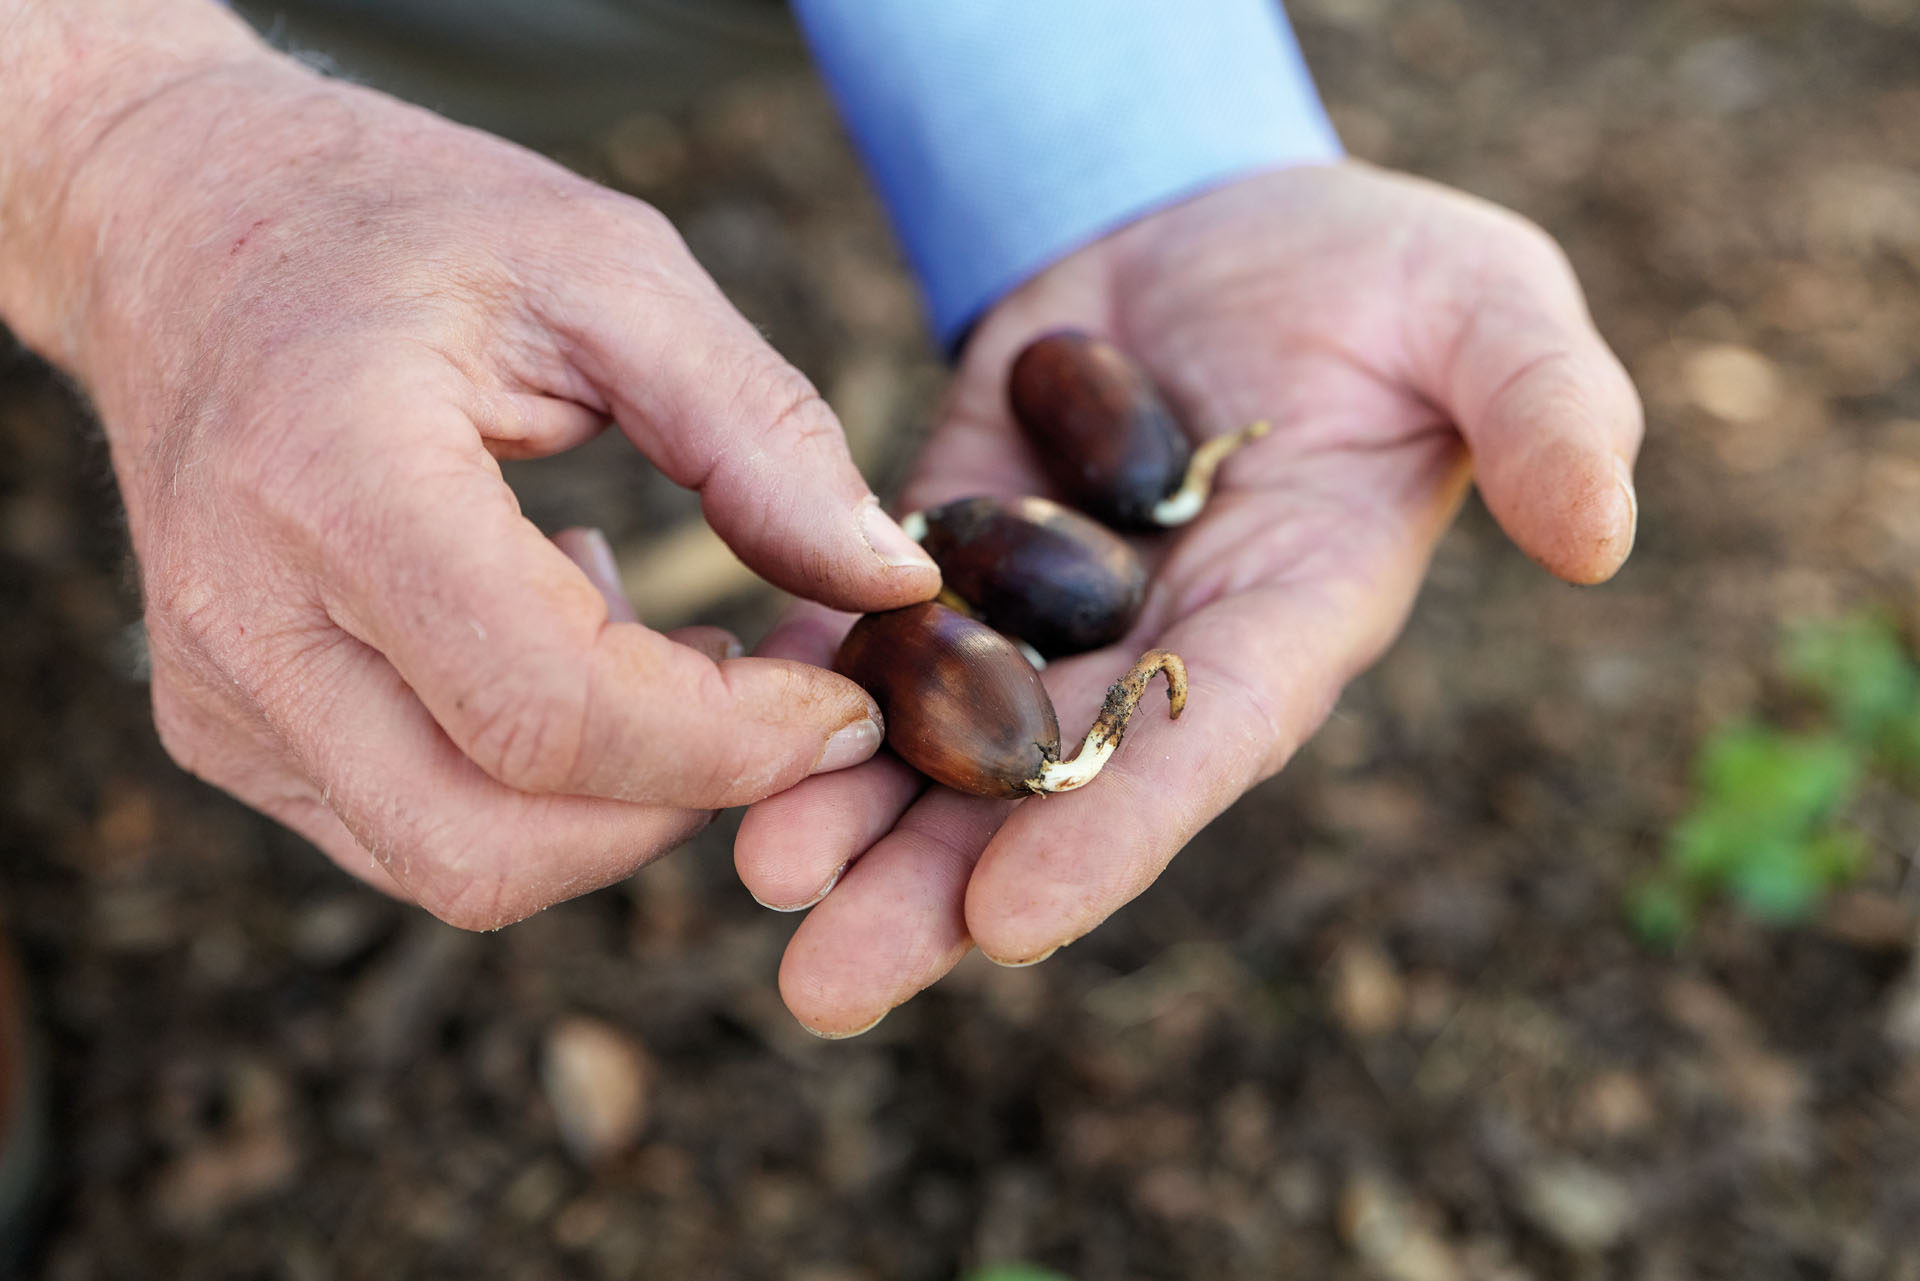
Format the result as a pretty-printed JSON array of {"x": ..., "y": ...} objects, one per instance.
[{"x": 72, "y": 74}]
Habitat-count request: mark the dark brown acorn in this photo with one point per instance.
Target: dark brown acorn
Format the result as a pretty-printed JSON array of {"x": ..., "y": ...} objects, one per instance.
[
  {"x": 1106, "y": 436},
  {"x": 1031, "y": 568},
  {"x": 964, "y": 708}
]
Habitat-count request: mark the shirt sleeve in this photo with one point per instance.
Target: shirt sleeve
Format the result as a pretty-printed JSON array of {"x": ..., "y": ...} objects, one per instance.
[{"x": 1003, "y": 134}]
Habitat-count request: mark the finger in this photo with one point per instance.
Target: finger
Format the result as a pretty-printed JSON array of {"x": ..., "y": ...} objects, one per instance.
[
  {"x": 1505, "y": 345},
  {"x": 805, "y": 633},
  {"x": 237, "y": 751},
  {"x": 718, "y": 410},
  {"x": 520, "y": 424},
  {"x": 1063, "y": 864},
  {"x": 208, "y": 735},
  {"x": 717, "y": 643},
  {"x": 413, "y": 808},
  {"x": 894, "y": 924},
  {"x": 589, "y": 549},
  {"x": 793, "y": 846},
  {"x": 425, "y": 557}
]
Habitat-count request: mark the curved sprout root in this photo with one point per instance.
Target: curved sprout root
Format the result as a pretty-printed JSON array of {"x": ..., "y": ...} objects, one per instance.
[
  {"x": 1184, "y": 503},
  {"x": 1122, "y": 698}
]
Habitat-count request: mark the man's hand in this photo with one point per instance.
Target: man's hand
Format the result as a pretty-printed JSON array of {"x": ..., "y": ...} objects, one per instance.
[
  {"x": 1391, "y": 331},
  {"x": 312, "y": 319}
]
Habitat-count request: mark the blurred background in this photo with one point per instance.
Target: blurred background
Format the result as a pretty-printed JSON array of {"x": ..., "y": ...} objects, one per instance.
[{"x": 1580, "y": 943}]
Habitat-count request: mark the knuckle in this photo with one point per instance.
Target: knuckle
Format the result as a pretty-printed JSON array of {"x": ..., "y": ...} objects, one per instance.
[
  {"x": 526, "y": 728},
  {"x": 782, "y": 404},
  {"x": 224, "y": 669},
  {"x": 467, "y": 904},
  {"x": 443, "y": 859},
  {"x": 621, "y": 236},
  {"x": 1529, "y": 249},
  {"x": 786, "y": 428},
  {"x": 219, "y": 745},
  {"x": 212, "y": 667},
  {"x": 651, "y": 226},
  {"x": 184, "y": 615}
]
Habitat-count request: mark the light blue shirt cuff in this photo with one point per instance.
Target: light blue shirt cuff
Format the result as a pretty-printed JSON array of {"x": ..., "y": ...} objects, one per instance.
[{"x": 1004, "y": 134}]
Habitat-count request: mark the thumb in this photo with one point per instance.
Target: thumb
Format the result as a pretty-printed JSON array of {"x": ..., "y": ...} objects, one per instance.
[
  {"x": 1551, "y": 416},
  {"x": 718, "y": 410}
]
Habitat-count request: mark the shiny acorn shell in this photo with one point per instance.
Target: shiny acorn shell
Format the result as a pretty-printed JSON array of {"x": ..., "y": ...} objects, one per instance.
[
  {"x": 1099, "y": 426},
  {"x": 1033, "y": 569},
  {"x": 961, "y": 704}
]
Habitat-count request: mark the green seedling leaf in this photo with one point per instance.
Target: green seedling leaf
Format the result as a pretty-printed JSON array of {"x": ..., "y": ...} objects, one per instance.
[
  {"x": 1766, "y": 822},
  {"x": 1778, "y": 883},
  {"x": 1787, "y": 882},
  {"x": 1860, "y": 666},
  {"x": 1709, "y": 843},
  {"x": 1839, "y": 855},
  {"x": 1777, "y": 780}
]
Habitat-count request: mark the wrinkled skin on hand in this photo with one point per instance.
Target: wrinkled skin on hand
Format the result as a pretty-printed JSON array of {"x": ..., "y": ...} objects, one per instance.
[
  {"x": 1402, "y": 339},
  {"x": 313, "y": 319}
]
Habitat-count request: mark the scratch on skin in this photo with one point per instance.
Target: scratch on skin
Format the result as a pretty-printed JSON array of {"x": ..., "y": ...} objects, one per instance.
[{"x": 245, "y": 236}]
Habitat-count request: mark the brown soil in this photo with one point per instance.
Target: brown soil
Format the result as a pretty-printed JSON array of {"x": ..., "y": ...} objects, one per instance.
[{"x": 1384, "y": 1019}]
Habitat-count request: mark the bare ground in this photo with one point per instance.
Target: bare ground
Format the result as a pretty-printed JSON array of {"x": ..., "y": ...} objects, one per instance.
[{"x": 1384, "y": 1019}]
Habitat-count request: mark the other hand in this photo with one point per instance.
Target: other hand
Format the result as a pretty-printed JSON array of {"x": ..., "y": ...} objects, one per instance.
[{"x": 1400, "y": 337}]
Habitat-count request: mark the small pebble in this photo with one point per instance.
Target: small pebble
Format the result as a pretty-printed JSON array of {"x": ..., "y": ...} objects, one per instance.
[
  {"x": 1394, "y": 1234},
  {"x": 1733, "y": 383},
  {"x": 1581, "y": 1207},
  {"x": 596, "y": 1079},
  {"x": 1368, "y": 995}
]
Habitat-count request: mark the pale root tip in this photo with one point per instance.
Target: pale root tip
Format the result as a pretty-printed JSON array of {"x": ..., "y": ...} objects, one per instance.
[
  {"x": 1176, "y": 669},
  {"x": 1065, "y": 776},
  {"x": 1184, "y": 503}
]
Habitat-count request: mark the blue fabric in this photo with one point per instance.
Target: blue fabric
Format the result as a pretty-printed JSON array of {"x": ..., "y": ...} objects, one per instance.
[{"x": 1003, "y": 134}]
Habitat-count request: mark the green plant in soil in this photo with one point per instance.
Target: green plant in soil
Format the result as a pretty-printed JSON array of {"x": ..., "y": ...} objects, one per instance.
[
  {"x": 1013, "y": 1272},
  {"x": 1768, "y": 827}
]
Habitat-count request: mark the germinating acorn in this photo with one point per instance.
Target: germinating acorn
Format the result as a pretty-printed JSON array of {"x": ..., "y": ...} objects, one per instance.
[
  {"x": 964, "y": 708},
  {"x": 1107, "y": 437},
  {"x": 1036, "y": 570}
]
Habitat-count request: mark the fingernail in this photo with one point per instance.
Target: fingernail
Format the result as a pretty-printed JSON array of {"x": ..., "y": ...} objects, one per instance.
[
  {"x": 1624, "y": 474},
  {"x": 842, "y": 1036},
  {"x": 888, "y": 541},
  {"x": 1021, "y": 965},
  {"x": 849, "y": 746},
  {"x": 801, "y": 907},
  {"x": 588, "y": 548}
]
